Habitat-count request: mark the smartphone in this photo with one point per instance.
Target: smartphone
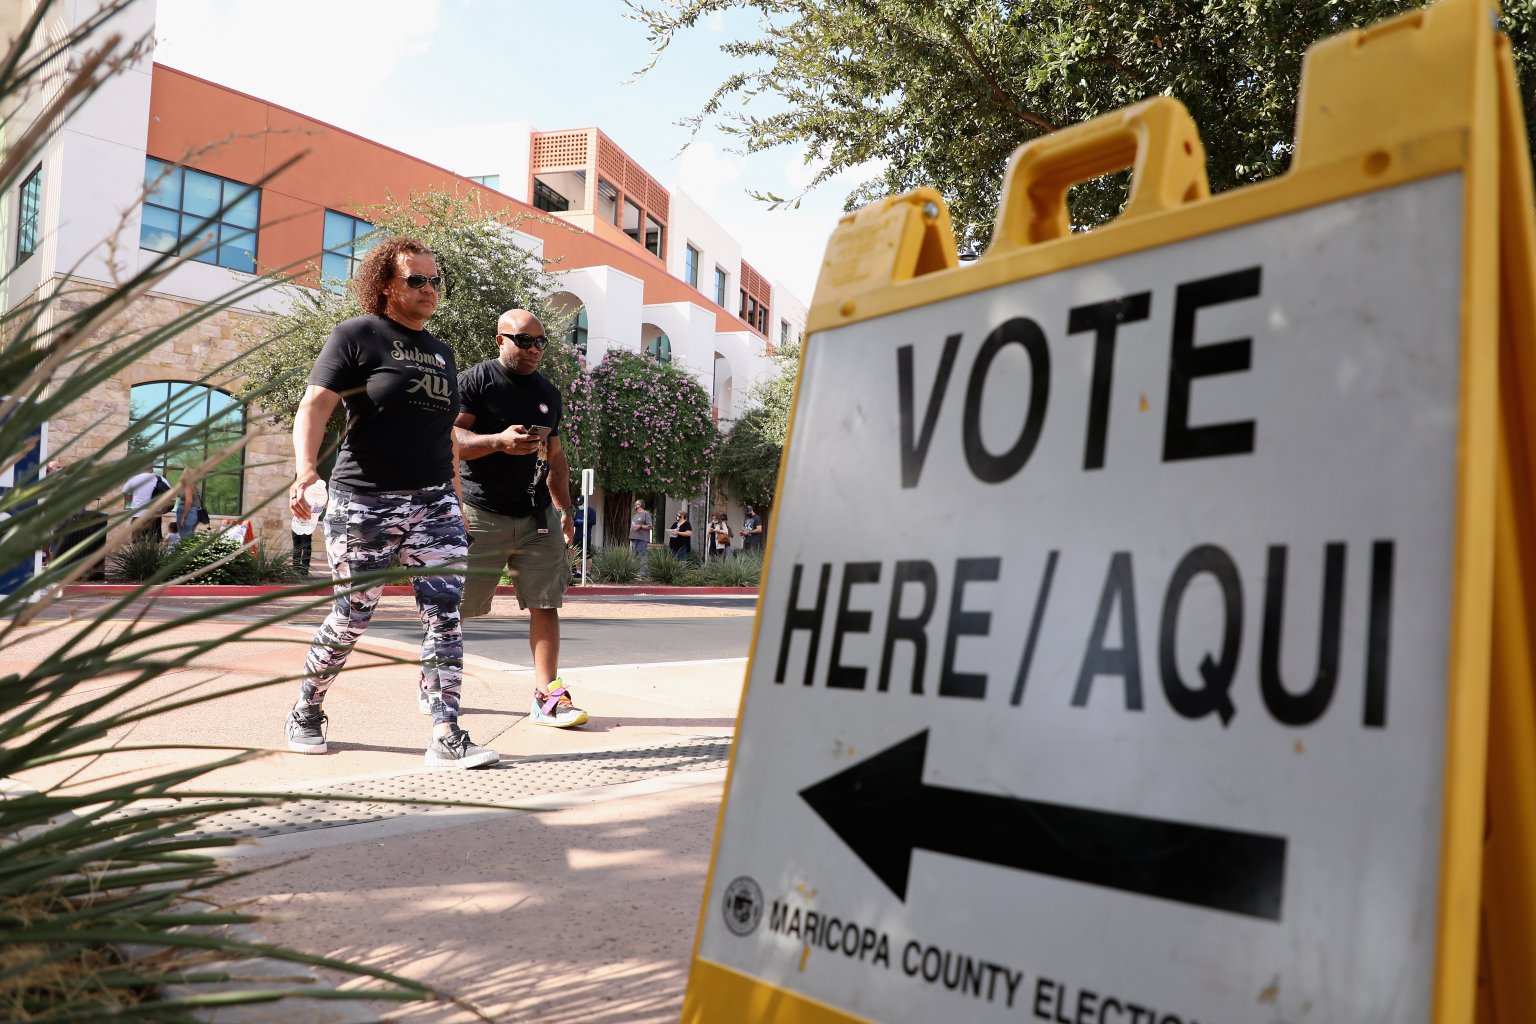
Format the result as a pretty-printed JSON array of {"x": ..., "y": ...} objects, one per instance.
[{"x": 539, "y": 429}]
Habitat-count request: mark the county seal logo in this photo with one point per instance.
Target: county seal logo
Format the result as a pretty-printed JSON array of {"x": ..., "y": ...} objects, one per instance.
[{"x": 742, "y": 906}]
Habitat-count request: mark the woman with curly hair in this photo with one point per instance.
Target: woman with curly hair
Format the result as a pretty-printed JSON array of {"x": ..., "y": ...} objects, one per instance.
[{"x": 392, "y": 492}]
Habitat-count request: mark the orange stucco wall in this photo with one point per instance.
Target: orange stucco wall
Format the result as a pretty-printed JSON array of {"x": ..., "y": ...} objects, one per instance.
[{"x": 228, "y": 133}]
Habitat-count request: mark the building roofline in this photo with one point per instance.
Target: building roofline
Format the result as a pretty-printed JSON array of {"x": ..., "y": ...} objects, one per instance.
[{"x": 521, "y": 207}]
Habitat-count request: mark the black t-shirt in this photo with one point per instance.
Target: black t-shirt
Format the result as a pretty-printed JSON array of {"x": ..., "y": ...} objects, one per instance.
[
  {"x": 401, "y": 392},
  {"x": 497, "y": 399},
  {"x": 678, "y": 543}
]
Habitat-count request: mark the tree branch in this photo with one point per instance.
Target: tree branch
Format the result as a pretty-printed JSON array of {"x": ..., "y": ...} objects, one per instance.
[{"x": 1001, "y": 94}]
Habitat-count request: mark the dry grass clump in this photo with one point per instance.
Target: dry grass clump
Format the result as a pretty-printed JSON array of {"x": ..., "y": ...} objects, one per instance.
[{"x": 37, "y": 980}]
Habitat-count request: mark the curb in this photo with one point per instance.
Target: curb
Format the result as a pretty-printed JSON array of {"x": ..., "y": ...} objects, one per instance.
[{"x": 318, "y": 586}]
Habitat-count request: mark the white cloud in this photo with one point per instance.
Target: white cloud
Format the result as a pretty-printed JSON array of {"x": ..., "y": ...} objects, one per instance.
[
  {"x": 714, "y": 22},
  {"x": 311, "y": 57},
  {"x": 799, "y": 171},
  {"x": 788, "y": 245},
  {"x": 785, "y": 244},
  {"x": 704, "y": 172}
]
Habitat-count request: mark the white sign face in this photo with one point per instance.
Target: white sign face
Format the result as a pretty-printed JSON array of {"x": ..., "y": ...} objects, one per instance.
[{"x": 1101, "y": 673}]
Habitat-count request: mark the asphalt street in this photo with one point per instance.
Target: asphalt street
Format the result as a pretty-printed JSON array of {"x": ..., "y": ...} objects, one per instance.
[{"x": 586, "y": 642}]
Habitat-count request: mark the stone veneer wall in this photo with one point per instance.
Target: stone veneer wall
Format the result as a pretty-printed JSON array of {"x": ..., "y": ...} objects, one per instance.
[{"x": 196, "y": 355}]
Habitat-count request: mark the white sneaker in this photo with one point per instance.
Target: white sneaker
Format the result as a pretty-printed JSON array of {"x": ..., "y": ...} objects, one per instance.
[
  {"x": 554, "y": 708},
  {"x": 457, "y": 750}
]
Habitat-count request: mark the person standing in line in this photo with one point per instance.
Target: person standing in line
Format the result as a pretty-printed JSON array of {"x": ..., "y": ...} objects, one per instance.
[
  {"x": 639, "y": 530},
  {"x": 142, "y": 489},
  {"x": 517, "y": 500},
  {"x": 186, "y": 510},
  {"x": 392, "y": 490},
  {"x": 720, "y": 536},
  {"x": 189, "y": 508},
  {"x": 680, "y": 534},
  {"x": 302, "y": 528},
  {"x": 752, "y": 531}
]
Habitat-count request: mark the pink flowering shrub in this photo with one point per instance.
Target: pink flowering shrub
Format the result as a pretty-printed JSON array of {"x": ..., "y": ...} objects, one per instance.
[{"x": 643, "y": 426}]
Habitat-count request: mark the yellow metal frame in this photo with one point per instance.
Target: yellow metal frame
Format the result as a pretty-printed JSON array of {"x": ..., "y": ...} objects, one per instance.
[
  {"x": 1507, "y": 955},
  {"x": 1427, "y": 93}
]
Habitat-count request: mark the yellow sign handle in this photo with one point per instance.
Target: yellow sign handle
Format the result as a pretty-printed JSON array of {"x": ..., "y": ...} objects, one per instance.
[{"x": 1156, "y": 138}]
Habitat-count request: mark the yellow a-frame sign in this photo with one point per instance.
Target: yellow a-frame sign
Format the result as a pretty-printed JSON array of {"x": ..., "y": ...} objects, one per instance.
[{"x": 1147, "y": 637}]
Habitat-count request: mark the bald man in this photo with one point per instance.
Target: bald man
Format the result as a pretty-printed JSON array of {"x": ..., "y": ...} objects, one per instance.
[{"x": 517, "y": 500}]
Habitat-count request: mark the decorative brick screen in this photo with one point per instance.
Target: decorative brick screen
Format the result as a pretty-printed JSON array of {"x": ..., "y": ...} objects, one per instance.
[
  {"x": 658, "y": 201},
  {"x": 610, "y": 160},
  {"x": 642, "y": 189},
  {"x": 554, "y": 150}
]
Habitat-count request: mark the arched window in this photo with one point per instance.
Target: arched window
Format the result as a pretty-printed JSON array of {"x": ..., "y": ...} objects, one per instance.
[
  {"x": 660, "y": 349},
  {"x": 576, "y": 337},
  {"x": 195, "y": 422}
]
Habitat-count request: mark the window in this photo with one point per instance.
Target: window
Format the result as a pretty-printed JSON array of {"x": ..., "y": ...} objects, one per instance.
[
  {"x": 211, "y": 219},
  {"x": 607, "y": 201},
  {"x": 576, "y": 337},
  {"x": 660, "y": 349},
  {"x": 344, "y": 249},
  {"x": 691, "y": 265},
  {"x": 783, "y": 332},
  {"x": 488, "y": 180},
  {"x": 198, "y": 422},
  {"x": 653, "y": 236},
  {"x": 721, "y": 283},
  {"x": 631, "y": 223},
  {"x": 762, "y": 320},
  {"x": 29, "y": 212},
  {"x": 547, "y": 199}
]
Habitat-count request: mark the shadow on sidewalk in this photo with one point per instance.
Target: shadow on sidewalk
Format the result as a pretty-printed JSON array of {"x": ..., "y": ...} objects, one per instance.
[{"x": 579, "y": 916}]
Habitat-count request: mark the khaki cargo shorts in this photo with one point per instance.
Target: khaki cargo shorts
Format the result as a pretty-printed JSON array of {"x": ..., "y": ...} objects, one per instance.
[{"x": 536, "y": 562}]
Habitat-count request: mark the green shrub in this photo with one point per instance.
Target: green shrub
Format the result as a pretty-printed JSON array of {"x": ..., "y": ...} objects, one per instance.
[
  {"x": 135, "y": 561},
  {"x": 743, "y": 569},
  {"x": 664, "y": 567},
  {"x": 615, "y": 565},
  {"x": 196, "y": 560},
  {"x": 276, "y": 565},
  {"x": 692, "y": 575}
]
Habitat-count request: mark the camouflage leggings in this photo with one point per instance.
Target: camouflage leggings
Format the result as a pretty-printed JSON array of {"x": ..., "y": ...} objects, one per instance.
[{"x": 362, "y": 532}]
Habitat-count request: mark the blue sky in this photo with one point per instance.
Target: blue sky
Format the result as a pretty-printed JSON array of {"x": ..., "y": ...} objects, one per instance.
[{"x": 556, "y": 63}]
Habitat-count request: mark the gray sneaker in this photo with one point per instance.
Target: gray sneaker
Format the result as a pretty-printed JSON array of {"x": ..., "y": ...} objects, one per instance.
[
  {"x": 306, "y": 729},
  {"x": 457, "y": 750}
]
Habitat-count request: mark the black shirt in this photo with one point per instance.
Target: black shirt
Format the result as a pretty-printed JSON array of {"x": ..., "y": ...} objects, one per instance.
[
  {"x": 496, "y": 398},
  {"x": 400, "y": 388}
]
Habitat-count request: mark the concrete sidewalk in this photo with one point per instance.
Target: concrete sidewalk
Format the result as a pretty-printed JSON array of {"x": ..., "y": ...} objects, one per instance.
[{"x": 580, "y": 909}]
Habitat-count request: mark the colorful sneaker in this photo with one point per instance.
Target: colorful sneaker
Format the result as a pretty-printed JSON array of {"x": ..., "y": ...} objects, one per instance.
[
  {"x": 457, "y": 750},
  {"x": 554, "y": 708},
  {"x": 306, "y": 729}
]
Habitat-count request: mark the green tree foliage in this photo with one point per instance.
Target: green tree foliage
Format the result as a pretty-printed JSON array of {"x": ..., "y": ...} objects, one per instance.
[
  {"x": 748, "y": 464},
  {"x": 643, "y": 427},
  {"x": 940, "y": 92},
  {"x": 486, "y": 274}
]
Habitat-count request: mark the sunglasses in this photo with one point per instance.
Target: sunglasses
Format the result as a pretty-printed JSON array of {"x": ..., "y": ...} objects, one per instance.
[
  {"x": 537, "y": 341},
  {"x": 422, "y": 280}
]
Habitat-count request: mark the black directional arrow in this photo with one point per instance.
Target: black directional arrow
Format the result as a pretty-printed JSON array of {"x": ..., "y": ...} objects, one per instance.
[{"x": 883, "y": 811}]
